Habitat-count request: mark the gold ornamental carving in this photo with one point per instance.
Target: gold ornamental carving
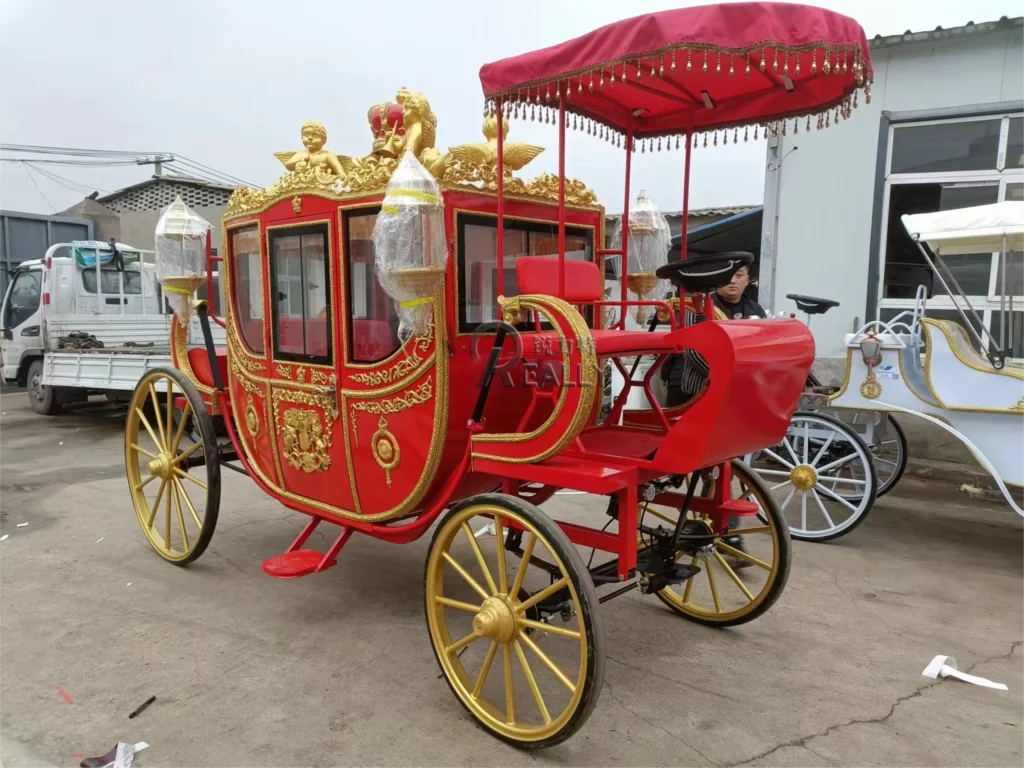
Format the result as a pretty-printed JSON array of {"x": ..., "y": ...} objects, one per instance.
[
  {"x": 402, "y": 368},
  {"x": 306, "y": 444},
  {"x": 406, "y": 125},
  {"x": 386, "y": 451},
  {"x": 318, "y": 377},
  {"x": 870, "y": 388},
  {"x": 252, "y": 418},
  {"x": 284, "y": 371},
  {"x": 403, "y": 402}
]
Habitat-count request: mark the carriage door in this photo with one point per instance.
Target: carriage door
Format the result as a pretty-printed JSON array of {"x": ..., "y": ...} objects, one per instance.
[
  {"x": 393, "y": 393},
  {"x": 303, "y": 379}
]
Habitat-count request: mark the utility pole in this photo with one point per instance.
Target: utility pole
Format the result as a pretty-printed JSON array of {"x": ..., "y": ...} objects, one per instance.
[{"x": 157, "y": 161}]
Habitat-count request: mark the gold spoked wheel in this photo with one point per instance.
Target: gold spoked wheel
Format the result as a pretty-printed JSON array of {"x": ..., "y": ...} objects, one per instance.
[
  {"x": 741, "y": 573},
  {"x": 174, "y": 481},
  {"x": 530, "y": 682}
]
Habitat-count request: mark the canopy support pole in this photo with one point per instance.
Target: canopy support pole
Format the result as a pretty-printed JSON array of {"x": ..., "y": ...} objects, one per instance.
[
  {"x": 561, "y": 197},
  {"x": 624, "y": 229},
  {"x": 683, "y": 249},
  {"x": 500, "y": 250}
]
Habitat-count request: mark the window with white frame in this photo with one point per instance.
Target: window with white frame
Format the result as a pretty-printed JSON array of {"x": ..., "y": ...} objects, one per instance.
[{"x": 940, "y": 165}]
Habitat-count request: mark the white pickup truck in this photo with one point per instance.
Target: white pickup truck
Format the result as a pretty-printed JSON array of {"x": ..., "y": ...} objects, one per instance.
[{"x": 74, "y": 324}]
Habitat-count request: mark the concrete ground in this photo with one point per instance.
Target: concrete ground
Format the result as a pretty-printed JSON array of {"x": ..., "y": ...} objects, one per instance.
[{"x": 337, "y": 669}]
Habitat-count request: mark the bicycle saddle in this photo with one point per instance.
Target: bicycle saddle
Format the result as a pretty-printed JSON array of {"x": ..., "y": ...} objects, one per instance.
[
  {"x": 700, "y": 274},
  {"x": 812, "y": 305}
]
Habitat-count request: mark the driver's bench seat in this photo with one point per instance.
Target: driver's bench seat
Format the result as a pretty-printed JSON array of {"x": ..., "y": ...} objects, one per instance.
[{"x": 583, "y": 285}]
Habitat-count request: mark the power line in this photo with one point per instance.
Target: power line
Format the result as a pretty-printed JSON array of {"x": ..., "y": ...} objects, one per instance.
[
  {"x": 34, "y": 184},
  {"x": 74, "y": 186},
  {"x": 201, "y": 170}
]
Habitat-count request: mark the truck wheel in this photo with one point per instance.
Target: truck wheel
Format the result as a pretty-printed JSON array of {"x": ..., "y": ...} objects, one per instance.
[{"x": 43, "y": 400}]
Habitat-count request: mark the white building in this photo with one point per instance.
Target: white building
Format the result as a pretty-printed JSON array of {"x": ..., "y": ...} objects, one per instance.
[{"x": 944, "y": 129}]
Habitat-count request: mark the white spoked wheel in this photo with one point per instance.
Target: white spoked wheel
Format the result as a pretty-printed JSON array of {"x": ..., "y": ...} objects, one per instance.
[
  {"x": 888, "y": 446},
  {"x": 822, "y": 475}
]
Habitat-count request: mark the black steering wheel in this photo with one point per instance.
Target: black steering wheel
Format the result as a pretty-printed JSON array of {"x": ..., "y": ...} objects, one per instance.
[{"x": 700, "y": 274}]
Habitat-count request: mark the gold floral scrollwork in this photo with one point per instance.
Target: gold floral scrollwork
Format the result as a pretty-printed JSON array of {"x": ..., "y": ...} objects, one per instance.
[
  {"x": 318, "y": 377},
  {"x": 297, "y": 204},
  {"x": 252, "y": 418},
  {"x": 576, "y": 192},
  {"x": 870, "y": 388},
  {"x": 400, "y": 369},
  {"x": 386, "y": 450},
  {"x": 306, "y": 444},
  {"x": 284, "y": 371},
  {"x": 414, "y": 397}
]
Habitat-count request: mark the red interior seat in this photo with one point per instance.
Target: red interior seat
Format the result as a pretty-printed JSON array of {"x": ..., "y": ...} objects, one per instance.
[{"x": 200, "y": 363}]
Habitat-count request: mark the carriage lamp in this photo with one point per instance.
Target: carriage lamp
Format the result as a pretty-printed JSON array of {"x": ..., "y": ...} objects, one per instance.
[
  {"x": 871, "y": 349},
  {"x": 409, "y": 245},
  {"x": 181, "y": 236},
  {"x": 649, "y": 241}
]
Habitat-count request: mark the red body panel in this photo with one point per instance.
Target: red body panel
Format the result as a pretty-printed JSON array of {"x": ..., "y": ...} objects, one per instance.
[{"x": 758, "y": 370}]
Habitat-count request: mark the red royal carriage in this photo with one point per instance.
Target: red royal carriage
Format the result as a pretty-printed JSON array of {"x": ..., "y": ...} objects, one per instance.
[{"x": 417, "y": 338}]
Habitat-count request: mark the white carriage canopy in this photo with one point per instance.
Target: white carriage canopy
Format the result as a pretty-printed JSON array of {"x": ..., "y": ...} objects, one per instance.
[{"x": 979, "y": 229}]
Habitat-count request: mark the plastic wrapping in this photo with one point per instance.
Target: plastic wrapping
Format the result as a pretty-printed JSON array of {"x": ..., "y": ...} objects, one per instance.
[
  {"x": 181, "y": 255},
  {"x": 409, "y": 245},
  {"x": 649, "y": 242}
]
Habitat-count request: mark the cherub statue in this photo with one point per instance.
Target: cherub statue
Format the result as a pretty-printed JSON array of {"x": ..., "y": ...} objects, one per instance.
[
  {"x": 314, "y": 136},
  {"x": 515, "y": 155},
  {"x": 421, "y": 130}
]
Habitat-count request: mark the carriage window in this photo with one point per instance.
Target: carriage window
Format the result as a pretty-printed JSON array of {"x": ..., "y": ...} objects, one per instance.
[
  {"x": 373, "y": 329},
  {"x": 299, "y": 274},
  {"x": 479, "y": 286},
  {"x": 247, "y": 286}
]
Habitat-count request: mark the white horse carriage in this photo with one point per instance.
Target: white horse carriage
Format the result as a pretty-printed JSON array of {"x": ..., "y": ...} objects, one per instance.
[{"x": 953, "y": 375}]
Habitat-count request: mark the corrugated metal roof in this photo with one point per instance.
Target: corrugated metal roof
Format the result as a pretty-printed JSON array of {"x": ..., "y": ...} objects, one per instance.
[
  {"x": 970, "y": 28},
  {"x": 698, "y": 212}
]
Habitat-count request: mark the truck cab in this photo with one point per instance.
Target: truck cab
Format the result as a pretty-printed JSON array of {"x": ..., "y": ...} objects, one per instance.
[{"x": 21, "y": 322}]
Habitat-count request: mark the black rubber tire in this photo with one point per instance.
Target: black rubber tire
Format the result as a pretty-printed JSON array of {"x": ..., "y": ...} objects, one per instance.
[
  {"x": 204, "y": 421},
  {"x": 44, "y": 400},
  {"x": 777, "y": 520},
  {"x": 901, "y": 464},
  {"x": 588, "y": 600}
]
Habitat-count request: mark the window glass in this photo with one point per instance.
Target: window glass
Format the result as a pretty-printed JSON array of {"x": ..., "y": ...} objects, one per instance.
[
  {"x": 906, "y": 267},
  {"x": 373, "y": 331},
  {"x": 1015, "y": 145},
  {"x": 110, "y": 282},
  {"x": 247, "y": 286},
  {"x": 23, "y": 300},
  {"x": 203, "y": 290},
  {"x": 300, "y": 278},
  {"x": 958, "y": 146},
  {"x": 479, "y": 285}
]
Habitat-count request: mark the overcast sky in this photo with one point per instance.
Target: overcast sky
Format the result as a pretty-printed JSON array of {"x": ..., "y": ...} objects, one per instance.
[{"x": 230, "y": 83}]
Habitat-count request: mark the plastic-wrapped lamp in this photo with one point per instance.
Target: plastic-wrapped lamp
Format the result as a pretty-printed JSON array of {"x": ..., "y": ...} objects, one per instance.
[
  {"x": 181, "y": 255},
  {"x": 410, "y": 248},
  {"x": 649, "y": 242}
]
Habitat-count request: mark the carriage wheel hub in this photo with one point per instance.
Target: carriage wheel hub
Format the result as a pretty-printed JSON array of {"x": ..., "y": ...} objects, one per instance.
[
  {"x": 803, "y": 477},
  {"x": 161, "y": 466},
  {"x": 495, "y": 620}
]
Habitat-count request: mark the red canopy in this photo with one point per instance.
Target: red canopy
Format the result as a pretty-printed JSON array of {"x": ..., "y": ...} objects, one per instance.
[{"x": 699, "y": 69}]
